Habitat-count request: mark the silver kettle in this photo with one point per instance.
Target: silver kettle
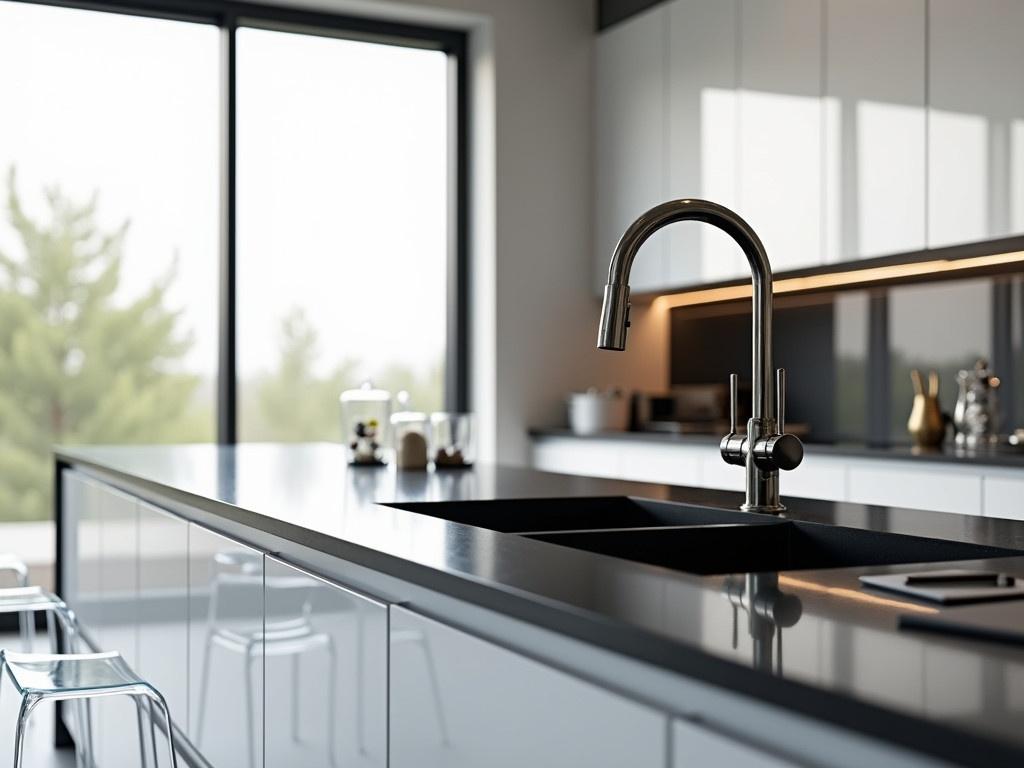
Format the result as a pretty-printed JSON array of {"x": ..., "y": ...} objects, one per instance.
[{"x": 976, "y": 416}]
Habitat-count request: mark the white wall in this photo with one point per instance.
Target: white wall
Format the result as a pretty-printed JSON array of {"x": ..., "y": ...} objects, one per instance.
[{"x": 534, "y": 314}]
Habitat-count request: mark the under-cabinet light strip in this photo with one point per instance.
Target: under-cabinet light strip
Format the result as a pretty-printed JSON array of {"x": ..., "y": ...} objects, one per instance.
[{"x": 841, "y": 279}]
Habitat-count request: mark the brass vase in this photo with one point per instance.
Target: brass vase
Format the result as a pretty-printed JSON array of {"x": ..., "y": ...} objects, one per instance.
[{"x": 927, "y": 424}]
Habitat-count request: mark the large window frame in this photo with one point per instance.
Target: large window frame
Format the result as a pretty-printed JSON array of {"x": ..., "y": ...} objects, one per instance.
[{"x": 229, "y": 17}]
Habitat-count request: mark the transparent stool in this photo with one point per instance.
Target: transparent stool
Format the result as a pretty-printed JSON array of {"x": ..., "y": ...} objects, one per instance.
[
  {"x": 25, "y": 601},
  {"x": 292, "y": 635},
  {"x": 81, "y": 677},
  {"x": 26, "y": 622}
]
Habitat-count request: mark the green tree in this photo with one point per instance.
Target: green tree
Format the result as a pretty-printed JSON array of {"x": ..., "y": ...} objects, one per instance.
[
  {"x": 79, "y": 364},
  {"x": 294, "y": 404}
]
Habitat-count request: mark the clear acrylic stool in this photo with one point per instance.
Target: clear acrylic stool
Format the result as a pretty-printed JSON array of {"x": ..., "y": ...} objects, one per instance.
[
  {"x": 26, "y": 621},
  {"x": 81, "y": 677}
]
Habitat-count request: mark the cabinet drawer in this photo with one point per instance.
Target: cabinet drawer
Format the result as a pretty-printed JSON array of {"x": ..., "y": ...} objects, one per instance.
[
  {"x": 459, "y": 701},
  {"x": 902, "y": 485},
  {"x": 695, "y": 746}
]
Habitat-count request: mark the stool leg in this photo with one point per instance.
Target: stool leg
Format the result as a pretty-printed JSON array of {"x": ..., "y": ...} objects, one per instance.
[
  {"x": 28, "y": 703},
  {"x": 158, "y": 699},
  {"x": 250, "y": 705},
  {"x": 152, "y": 731},
  {"x": 296, "y": 697},
  {"x": 203, "y": 688},
  {"x": 84, "y": 734},
  {"x": 332, "y": 699},
  {"x": 142, "y": 731}
]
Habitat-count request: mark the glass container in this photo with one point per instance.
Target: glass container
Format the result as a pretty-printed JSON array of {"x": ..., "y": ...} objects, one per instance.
[
  {"x": 409, "y": 430},
  {"x": 453, "y": 440},
  {"x": 365, "y": 421}
]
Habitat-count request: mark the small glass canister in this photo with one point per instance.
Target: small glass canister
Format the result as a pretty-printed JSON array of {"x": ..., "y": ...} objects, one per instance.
[
  {"x": 365, "y": 419},
  {"x": 409, "y": 430},
  {"x": 453, "y": 440}
]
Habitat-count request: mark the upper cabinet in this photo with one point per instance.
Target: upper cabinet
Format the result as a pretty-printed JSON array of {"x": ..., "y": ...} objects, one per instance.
[
  {"x": 975, "y": 120},
  {"x": 702, "y": 134},
  {"x": 630, "y": 110},
  {"x": 875, "y": 132},
  {"x": 779, "y": 155},
  {"x": 840, "y": 129}
]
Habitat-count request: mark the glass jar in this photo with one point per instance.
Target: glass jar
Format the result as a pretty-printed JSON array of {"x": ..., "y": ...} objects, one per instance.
[
  {"x": 453, "y": 440},
  {"x": 409, "y": 430},
  {"x": 365, "y": 420}
]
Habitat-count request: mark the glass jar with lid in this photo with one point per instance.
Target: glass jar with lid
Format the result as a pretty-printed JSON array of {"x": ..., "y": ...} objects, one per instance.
[
  {"x": 453, "y": 440},
  {"x": 365, "y": 423}
]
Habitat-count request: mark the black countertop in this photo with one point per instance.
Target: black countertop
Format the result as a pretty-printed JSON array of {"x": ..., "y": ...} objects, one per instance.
[
  {"x": 845, "y": 660},
  {"x": 1001, "y": 457}
]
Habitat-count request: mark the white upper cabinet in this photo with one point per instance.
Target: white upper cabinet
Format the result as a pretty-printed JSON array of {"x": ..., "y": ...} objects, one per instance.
[
  {"x": 702, "y": 135},
  {"x": 781, "y": 174},
  {"x": 875, "y": 133},
  {"x": 975, "y": 120},
  {"x": 630, "y": 108}
]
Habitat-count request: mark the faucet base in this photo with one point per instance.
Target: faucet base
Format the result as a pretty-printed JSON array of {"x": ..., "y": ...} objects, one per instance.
[{"x": 764, "y": 509}]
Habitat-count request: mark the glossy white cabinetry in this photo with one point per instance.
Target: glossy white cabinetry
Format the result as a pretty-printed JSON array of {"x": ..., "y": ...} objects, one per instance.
[
  {"x": 115, "y": 734},
  {"x": 694, "y": 745},
  {"x": 225, "y": 609},
  {"x": 875, "y": 131},
  {"x": 460, "y": 701},
  {"x": 630, "y": 110},
  {"x": 969, "y": 489},
  {"x": 81, "y": 534},
  {"x": 840, "y": 129},
  {"x": 702, "y": 135},
  {"x": 326, "y": 673},
  {"x": 163, "y": 607},
  {"x": 975, "y": 120},
  {"x": 781, "y": 173}
]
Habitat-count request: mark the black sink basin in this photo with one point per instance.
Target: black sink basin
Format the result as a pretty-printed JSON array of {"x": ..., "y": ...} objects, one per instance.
[
  {"x": 773, "y": 546},
  {"x": 576, "y": 514}
]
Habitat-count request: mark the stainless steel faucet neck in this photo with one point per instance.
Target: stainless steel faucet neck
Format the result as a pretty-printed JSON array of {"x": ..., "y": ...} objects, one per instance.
[{"x": 757, "y": 451}]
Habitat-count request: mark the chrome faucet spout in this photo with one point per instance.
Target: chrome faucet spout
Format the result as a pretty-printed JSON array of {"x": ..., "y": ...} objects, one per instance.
[{"x": 758, "y": 449}]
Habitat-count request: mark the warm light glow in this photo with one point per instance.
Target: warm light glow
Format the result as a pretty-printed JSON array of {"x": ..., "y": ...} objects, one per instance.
[
  {"x": 855, "y": 595},
  {"x": 839, "y": 279}
]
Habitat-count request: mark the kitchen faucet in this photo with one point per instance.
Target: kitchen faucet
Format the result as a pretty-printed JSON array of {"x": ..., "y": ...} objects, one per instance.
[{"x": 765, "y": 448}]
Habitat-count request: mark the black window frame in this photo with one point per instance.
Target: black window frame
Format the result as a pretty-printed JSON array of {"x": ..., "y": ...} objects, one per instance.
[{"x": 229, "y": 17}]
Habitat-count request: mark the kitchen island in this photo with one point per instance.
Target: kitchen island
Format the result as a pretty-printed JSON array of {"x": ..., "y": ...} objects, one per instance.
[{"x": 417, "y": 641}]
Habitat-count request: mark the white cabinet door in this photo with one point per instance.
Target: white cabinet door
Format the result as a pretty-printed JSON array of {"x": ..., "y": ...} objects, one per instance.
[
  {"x": 225, "y": 597},
  {"x": 875, "y": 134},
  {"x": 903, "y": 484},
  {"x": 115, "y": 736},
  {"x": 326, "y": 673},
  {"x": 459, "y": 701},
  {"x": 163, "y": 607},
  {"x": 702, "y": 135},
  {"x": 574, "y": 456},
  {"x": 81, "y": 587},
  {"x": 696, "y": 746},
  {"x": 1003, "y": 496},
  {"x": 975, "y": 120},
  {"x": 630, "y": 123},
  {"x": 780, "y": 126}
]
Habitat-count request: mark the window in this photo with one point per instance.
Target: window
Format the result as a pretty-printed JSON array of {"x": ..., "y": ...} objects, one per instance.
[
  {"x": 109, "y": 232},
  {"x": 342, "y": 227},
  {"x": 199, "y": 246}
]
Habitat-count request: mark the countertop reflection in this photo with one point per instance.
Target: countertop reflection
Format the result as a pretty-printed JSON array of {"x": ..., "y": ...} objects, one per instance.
[{"x": 815, "y": 641}]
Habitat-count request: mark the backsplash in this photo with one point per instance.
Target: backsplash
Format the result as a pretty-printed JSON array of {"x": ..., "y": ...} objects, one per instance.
[{"x": 849, "y": 354}]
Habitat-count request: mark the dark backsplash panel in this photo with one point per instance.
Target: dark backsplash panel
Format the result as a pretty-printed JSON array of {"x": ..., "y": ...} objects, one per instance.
[{"x": 848, "y": 355}]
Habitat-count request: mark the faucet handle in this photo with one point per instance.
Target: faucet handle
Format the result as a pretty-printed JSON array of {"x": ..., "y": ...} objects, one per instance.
[
  {"x": 734, "y": 391},
  {"x": 780, "y": 399}
]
